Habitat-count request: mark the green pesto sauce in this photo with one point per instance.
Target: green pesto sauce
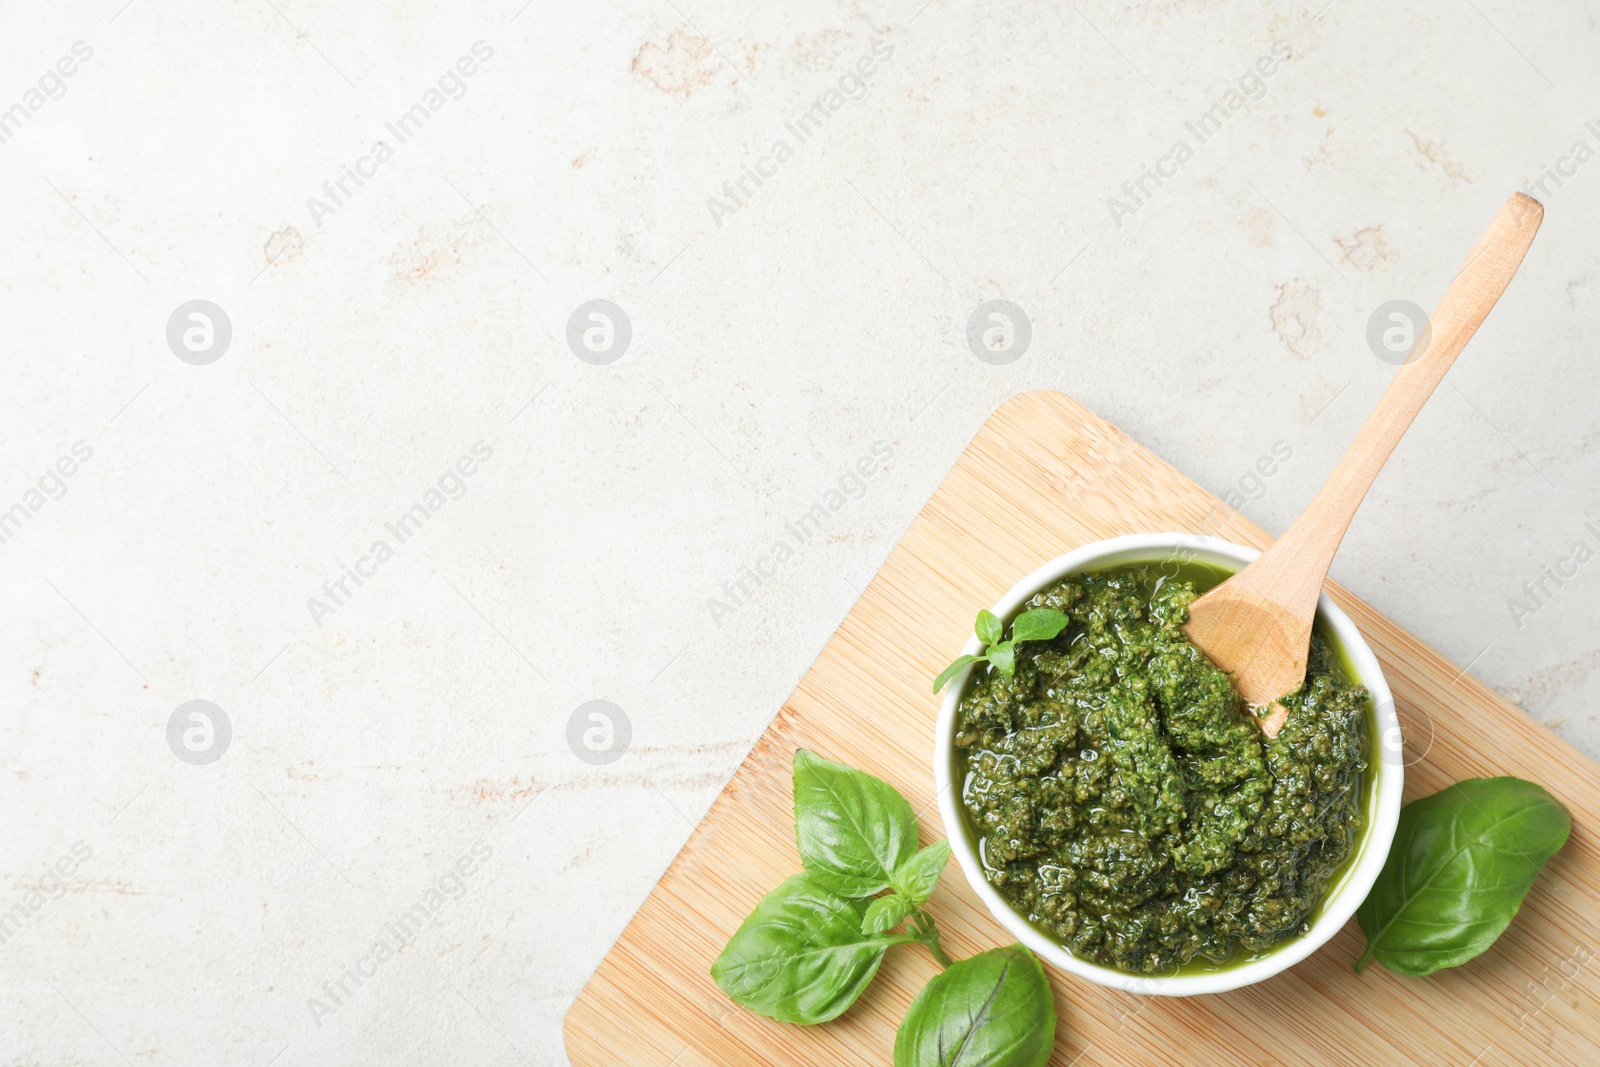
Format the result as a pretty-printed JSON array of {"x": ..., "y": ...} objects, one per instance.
[{"x": 1126, "y": 802}]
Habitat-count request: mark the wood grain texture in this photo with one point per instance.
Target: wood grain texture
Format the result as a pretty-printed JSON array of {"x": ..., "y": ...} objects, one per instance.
[{"x": 1043, "y": 476}]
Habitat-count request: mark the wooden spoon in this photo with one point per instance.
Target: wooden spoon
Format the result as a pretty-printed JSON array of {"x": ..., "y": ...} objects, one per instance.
[{"x": 1257, "y": 624}]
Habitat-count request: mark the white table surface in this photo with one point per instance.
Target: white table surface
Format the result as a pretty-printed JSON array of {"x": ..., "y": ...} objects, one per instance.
[{"x": 775, "y": 340}]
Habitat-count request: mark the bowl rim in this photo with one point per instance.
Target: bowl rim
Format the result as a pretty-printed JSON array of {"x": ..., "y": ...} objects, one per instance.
[{"x": 1341, "y": 899}]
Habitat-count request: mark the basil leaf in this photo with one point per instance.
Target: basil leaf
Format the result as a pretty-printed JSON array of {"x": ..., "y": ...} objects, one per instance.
[
  {"x": 993, "y": 1010},
  {"x": 989, "y": 628},
  {"x": 800, "y": 957},
  {"x": 1040, "y": 624},
  {"x": 917, "y": 877},
  {"x": 954, "y": 669},
  {"x": 853, "y": 829},
  {"x": 1462, "y": 862},
  {"x": 885, "y": 913},
  {"x": 1004, "y": 657}
]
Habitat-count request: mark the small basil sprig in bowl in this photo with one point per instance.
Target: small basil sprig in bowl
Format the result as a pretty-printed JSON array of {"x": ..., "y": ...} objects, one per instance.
[
  {"x": 813, "y": 944},
  {"x": 1040, "y": 624}
]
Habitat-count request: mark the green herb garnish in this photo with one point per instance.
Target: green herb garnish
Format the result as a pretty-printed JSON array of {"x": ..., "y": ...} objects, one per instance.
[
  {"x": 1040, "y": 624},
  {"x": 993, "y": 1010},
  {"x": 1462, "y": 862},
  {"x": 854, "y": 830},
  {"x": 801, "y": 956},
  {"x": 812, "y": 945}
]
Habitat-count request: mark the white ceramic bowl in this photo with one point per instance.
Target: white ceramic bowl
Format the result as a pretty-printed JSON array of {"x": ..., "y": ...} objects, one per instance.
[{"x": 1340, "y": 899}]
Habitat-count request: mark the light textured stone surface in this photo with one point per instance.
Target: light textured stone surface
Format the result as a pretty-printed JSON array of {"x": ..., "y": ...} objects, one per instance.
[{"x": 772, "y": 346}]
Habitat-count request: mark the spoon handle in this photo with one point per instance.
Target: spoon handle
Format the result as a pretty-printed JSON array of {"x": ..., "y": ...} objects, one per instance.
[{"x": 1303, "y": 554}]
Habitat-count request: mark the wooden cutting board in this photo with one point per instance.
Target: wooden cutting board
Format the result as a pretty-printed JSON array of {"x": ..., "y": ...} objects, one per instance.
[{"x": 1043, "y": 476}]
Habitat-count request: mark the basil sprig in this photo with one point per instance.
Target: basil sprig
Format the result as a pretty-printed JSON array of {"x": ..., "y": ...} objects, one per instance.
[
  {"x": 801, "y": 956},
  {"x": 993, "y": 1010},
  {"x": 1463, "y": 860},
  {"x": 812, "y": 945},
  {"x": 854, "y": 830},
  {"x": 1040, "y": 624}
]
